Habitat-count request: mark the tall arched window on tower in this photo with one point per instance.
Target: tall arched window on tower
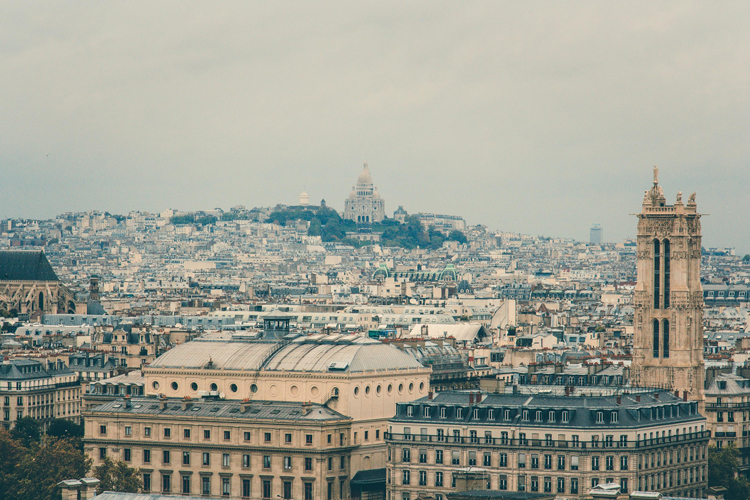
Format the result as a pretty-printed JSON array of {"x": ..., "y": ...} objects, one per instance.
[
  {"x": 665, "y": 338},
  {"x": 656, "y": 338},
  {"x": 41, "y": 301},
  {"x": 666, "y": 275},
  {"x": 657, "y": 273}
]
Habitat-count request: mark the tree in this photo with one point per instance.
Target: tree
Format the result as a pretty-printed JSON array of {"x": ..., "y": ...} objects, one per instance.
[
  {"x": 746, "y": 258},
  {"x": 11, "y": 451},
  {"x": 60, "y": 427},
  {"x": 723, "y": 465},
  {"x": 27, "y": 431},
  {"x": 40, "y": 469},
  {"x": 117, "y": 476},
  {"x": 458, "y": 236}
]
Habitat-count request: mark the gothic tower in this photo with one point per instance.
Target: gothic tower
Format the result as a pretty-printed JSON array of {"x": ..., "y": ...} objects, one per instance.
[{"x": 668, "y": 300}]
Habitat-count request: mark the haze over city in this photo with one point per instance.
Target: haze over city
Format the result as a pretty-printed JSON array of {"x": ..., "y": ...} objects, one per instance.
[{"x": 539, "y": 118}]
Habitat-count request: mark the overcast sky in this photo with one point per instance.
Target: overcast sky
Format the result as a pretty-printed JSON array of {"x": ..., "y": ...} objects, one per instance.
[{"x": 532, "y": 117}]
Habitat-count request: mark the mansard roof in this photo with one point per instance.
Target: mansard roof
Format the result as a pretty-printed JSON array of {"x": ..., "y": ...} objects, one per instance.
[{"x": 25, "y": 266}]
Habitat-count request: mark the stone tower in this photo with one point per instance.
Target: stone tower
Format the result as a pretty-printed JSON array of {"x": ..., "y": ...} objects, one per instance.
[{"x": 668, "y": 300}]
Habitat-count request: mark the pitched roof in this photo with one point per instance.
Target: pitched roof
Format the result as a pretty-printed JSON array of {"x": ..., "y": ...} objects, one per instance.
[{"x": 25, "y": 266}]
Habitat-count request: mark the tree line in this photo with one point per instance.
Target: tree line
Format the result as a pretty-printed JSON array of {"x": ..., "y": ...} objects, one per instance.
[{"x": 33, "y": 462}]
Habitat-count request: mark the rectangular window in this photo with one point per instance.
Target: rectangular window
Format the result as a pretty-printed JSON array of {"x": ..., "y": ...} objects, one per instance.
[
  {"x": 406, "y": 477},
  {"x": 456, "y": 457},
  {"x": 521, "y": 483},
  {"x": 247, "y": 436},
  {"x": 423, "y": 478},
  {"x": 624, "y": 462},
  {"x": 574, "y": 486},
  {"x": 128, "y": 430},
  {"x": 205, "y": 485},
  {"x": 226, "y": 489},
  {"x": 146, "y": 456},
  {"x": 102, "y": 453},
  {"x": 502, "y": 483},
  {"x": 343, "y": 463},
  {"x": 560, "y": 462},
  {"x": 503, "y": 460},
  {"x": 308, "y": 464},
  {"x": 206, "y": 458},
  {"x": 487, "y": 460},
  {"x": 185, "y": 458},
  {"x": 438, "y": 479},
  {"x": 472, "y": 458},
  {"x": 574, "y": 462},
  {"x": 610, "y": 463},
  {"x": 103, "y": 430},
  {"x": 206, "y": 434},
  {"x": 535, "y": 483},
  {"x": 266, "y": 461},
  {"x": 594, "y": 463},
  {"x": 225, "y": 460},
  {"x": 287, "y": 438},
  {"x": 548, "y": 461},
  {"x": 185, "y": 485},
  {"x": 166, "y": 483},
  {"x": 147, "y": 431},
  {"x": 165, "y": 457},
  {"x": 288, "y": 490},
  {"x": 422, "y": 456},
  {"x": 438, "y": 456},
  {"x": 308, "y": 491},
  {"x": 406, "y": 455},
  {"x": 308, "y": 439},
  {"x": 167, "y": 432},
  {"x": 246, "y": 461},
  {"x": 186, "y": 433},
  {"x": 126, "y": 454},
  {"x": 227, "y": 435},
  {"x": 267, "y": 437},
  {"x": 534, "y": 461},
  {"x": 266, "y": 488},
  {"x": 561, "y": 485},
  {"x": 146, "y": 482}
]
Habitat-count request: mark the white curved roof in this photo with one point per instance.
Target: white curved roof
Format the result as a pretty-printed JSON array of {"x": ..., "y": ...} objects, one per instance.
[
  {"x": 312, "y": 354},
  {"x": 365, "y": 178}
]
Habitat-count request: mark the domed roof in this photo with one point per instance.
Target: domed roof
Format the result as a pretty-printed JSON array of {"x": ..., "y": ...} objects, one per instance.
[{"x": 365, "y": 178}]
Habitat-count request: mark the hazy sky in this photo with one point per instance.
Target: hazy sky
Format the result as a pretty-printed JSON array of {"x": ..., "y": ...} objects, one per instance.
[{"x": 533, "y": 117}]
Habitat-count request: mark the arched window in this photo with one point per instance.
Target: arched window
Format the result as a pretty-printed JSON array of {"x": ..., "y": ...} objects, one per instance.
[
  {"x": 41, "y": 301},
  {"x": 666, "y": 274},
  {"x": 665, "y": 338},
  {"x": 657, "y": 273},
  {"x": 656, "y": 338}
]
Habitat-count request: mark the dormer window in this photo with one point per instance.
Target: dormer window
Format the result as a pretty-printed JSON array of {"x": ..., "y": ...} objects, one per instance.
[
  {"x": 491, "y": 414},
  {"x": 409, "y": 411},
  {"x": 565, "y": 417},
  {"x": 476, "y": 413},
  {"x": 426, "y": 412},
  {"x": 552, "y": 416},
  {"x": 525, "y": 415},
  {"x": 538, "y": 416},
  {"x": 507, "y": 415},
  {"x": 613, "y": 418},
  {"x": 459, "y": 413},
  {"x": 600, "y": 417},
  {"x": 443, "y": 412}
]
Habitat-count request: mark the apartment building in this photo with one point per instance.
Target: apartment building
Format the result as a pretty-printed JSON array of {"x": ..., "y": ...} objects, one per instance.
[
  {"x": 230, "y": 449},
  {"x": 458, "y": 441},
  {"x": 43, "y": 390}
]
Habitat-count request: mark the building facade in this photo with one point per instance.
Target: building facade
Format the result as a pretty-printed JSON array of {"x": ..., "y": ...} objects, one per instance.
[
  {"x": 364, "y": 204},
  {"x": 461, "y": 441},
  {"x": 28, "y": 284},
  {"x": 40, "y": 390},
  {"x": 668, "y": 299},
  {"x": 230, "y": 449}
]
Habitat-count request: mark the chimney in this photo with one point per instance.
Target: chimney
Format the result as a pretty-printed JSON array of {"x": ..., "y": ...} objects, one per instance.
[
  {"x": 70, "y": 488},
  {"x": 429, "y": 395},
  {"x": 88, "y": 491},
  {"x": 245, "y": 405},
  {"x": 127, "y": 401},
  {"x": 637, "y": 398},
  {"x": 656, "y": 396},
  {"x": 479, "y": 397},
  {"x": 186, "y": 403},
  {"x": 684, "y": 395},
  {"x": 619, "y": 400},
  {"x": 471, "y": 398},
  {"x": 307, "y": 407},
  {"x": 162, "y": 402}
]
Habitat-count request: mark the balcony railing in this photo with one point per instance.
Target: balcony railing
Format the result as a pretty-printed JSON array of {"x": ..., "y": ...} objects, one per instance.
[{"x": 540, "y": 443}]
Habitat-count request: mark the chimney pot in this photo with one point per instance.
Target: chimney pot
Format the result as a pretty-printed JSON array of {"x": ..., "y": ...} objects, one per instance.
[
  {"x": 619, "y": 400},
  {"x": 479, "y": 397},
  {"x": 684, "y": 395},
  {"x": 637, "y": 398},
  {"x": 471, "y": 398},
  {"x": 429, "y": 395},
  {"x": 656, "y": 395}
]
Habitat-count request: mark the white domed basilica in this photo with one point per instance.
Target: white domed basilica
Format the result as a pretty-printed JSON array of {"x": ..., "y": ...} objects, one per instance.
[{"x": 364, "y": 205}]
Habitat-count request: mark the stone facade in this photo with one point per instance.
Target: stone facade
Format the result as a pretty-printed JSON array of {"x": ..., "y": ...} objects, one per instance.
[
  {"x": 364, "y": 205},
  {"x": 668, "y": 300}
]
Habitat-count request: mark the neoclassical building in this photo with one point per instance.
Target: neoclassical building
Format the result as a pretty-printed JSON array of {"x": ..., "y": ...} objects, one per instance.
[
  {"x": 355, "y": 376},
  {"x": 364, "y": 205},
  {"x": 668, "y": 299}
]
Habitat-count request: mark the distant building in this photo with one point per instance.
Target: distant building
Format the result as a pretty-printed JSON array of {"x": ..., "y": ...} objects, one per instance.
[
  {"x": 304, "y": 199},
  {"x": 364, "y": 205},
  {"x": 596, "y": 234},
  {"x": 400, "y": 214},
  {"x": 444, "y": 223}
]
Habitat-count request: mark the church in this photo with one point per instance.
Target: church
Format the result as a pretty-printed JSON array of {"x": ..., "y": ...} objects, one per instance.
[
  {"x": 364, "y": 205},
  {"x": 29, "y": 284}
]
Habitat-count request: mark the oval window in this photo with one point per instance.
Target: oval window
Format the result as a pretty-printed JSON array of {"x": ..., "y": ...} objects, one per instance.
[
  {"x": 194, "y": 386},
  {"x": 155, "y": 385},
  {"x": 253, "y": 388},
  {"x": 175, "y": 386},
  {"x": 233, "y": 387},
  {"x": 367, "y": 390},
  {"x": 356, "y": 391},
  {"x": 400, "y": 388},
  {"x": 214, "y": 387},
  {"x": 377, "y": 389},
  {"x": 390, "y": 388},
  {"x": 421, "y": 387},
  {"x": 411, "y": 387}
]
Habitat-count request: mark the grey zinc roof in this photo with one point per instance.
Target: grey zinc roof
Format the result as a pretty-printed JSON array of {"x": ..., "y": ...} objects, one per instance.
[
  {"x": 25, "y": 266},
  {"x": 312, "y": 354},
  {"x": 258, "y": 410}
]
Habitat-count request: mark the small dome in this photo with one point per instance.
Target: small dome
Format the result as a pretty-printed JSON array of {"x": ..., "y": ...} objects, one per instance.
[{"x": 365, "y": 178}]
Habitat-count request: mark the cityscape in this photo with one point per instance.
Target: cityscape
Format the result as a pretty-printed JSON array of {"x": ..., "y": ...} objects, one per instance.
[{"x": 472, "y": 310}]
